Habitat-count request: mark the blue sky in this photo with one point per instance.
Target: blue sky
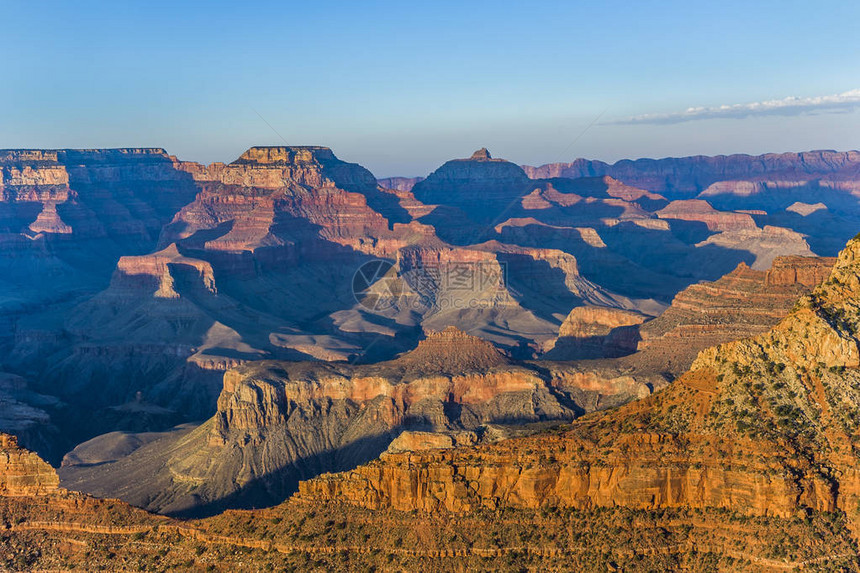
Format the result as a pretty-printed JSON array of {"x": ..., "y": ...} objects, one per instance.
[{"x": 400, "y": 87}]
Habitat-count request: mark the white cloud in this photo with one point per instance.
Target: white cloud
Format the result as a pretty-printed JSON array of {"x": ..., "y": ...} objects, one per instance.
[{"x": 844, "y": 102}]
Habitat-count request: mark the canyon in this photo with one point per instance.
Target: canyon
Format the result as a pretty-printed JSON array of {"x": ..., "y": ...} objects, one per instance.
[
  {"x": 154, "y": 276},
  {"x": 764, "y": 427},
  {"x": 745, "y": 462},
  {"x": 278, "y": 422},
  {"x": 573, "y": 343}
]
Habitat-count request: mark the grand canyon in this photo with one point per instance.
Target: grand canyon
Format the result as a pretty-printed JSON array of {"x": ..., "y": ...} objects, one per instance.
[
  {"x": 285, "y": 363},
  {"x": 395, "y": 287}
]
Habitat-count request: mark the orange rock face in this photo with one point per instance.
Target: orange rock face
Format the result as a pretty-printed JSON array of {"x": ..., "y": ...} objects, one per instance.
[
  {"x": 764, "y": 426},
  {"x": 743, "y": 303},
  {"x": 266, "y": 186},
  {"x": 596, "y": 332},
  {"x": 23, "y": 472},
  {"x": 278, "y": 422}
]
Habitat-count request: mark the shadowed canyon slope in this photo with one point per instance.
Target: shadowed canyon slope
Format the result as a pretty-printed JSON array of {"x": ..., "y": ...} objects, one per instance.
[
  {"x": 133, "y": 280},
  {"x": 579, "y": 366},
  {"x": 278, "y": 422},
  {"x": 747, "y": 462},
  {"x": 783, "y": 401},
  {"x": 761, "y": 427}
]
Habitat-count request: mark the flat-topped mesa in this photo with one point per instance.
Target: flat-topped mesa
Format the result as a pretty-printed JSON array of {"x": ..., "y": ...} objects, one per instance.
[
  {"x": 698, "y": 210},
  {"x": 286, "y": 155},
  {"x": 453, "y": 351},
  {"x": 335, "y": 208},
  {"x": 16, "y": 156},
  {"x": 22, "y": 472},
  {"x": 311, "y": 166},
  {"x": 83, "y": 167},
  {"x": 30, "y": 168},
  {"x": 156, "y": 274},
  {"x": 81, "y": 156},
  {"x": 115, "y": 155}
]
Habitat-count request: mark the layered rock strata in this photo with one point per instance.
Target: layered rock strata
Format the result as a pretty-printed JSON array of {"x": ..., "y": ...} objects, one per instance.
[
  {"x": 764, "y": 426},
  {"x": 278, "y": 422},
  {"x": 22, "y": 472},
  {"x": 743, "y": 303},
  {"x": 688, "y": 176}
]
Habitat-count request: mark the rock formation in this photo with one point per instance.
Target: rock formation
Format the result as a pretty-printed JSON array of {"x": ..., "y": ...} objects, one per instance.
[
  {"x": 132, "y": 281},
  {"x": 278, "y": 422},
  {"x": 399, "y": 183},
  {"x": 23, "y": 472},
  {"x": 167, "y": 291},
  {"x": 688, "y": 176},
  {"x": 701, "y": 211},
  {"x": 743, "y": 303},
  {"x": 758, "y": 438},
  {"x": 596, "y": 332},
  {"x": 765, "y": 426},
  {"x": 480, "y": 186}
]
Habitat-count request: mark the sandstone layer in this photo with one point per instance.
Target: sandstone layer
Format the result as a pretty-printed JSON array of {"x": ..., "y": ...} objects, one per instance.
[
  {"x": 23, "y": 472},
  {"x": 764, "y": 426},
  {"x": 278, "y": 422},
  {"x": 132, "y": 280}
]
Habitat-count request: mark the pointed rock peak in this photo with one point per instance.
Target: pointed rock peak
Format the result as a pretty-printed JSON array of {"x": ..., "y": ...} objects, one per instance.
[
  {"x": 844, "y": 280},
  {"x": 22, "y": 472},
  {"x": 453, "y": 351},
  {"x": 481, "y": 154},
  {"x": 286, "y": 155}
]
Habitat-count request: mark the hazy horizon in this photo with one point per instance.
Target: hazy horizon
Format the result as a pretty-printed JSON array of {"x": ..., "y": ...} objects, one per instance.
[{"x": 401, "y": 89}]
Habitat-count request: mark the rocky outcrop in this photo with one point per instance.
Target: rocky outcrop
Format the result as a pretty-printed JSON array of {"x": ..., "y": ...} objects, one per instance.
[
  {"x": 278, "y": 422},
  {"x": 505, "y": 478},
  {"x": 23, "y": 472},
  {"x": 158, "y": 273},
  {"x": 489, "y": 287},
  {"x": 453, "y": 351},
  {"x": 596, "y": 332},
  {"x": 285, "y": 204},
  {"x": 743, "y": 303},
  {"x": 760, "y": 246},
  {"x": 805, "y": 209},
  {"x": 765, "y": 426},
  {"x": 702, "y": 212},
  {"x": 480, "y": 186},
  {"x": 121, "y": 197}
]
